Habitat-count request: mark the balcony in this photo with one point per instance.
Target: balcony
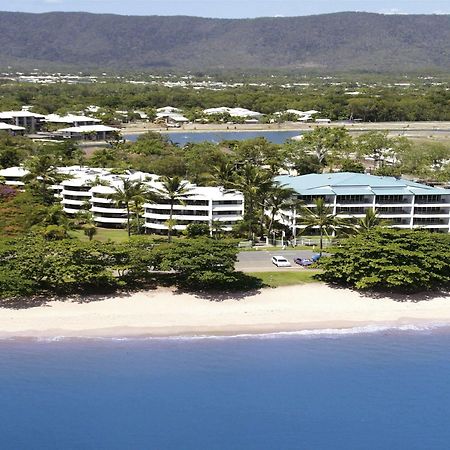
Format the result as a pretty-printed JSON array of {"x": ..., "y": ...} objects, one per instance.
[
  {"x": 67, "y": 192},
  {"x": 108, "y": 210},
  {"x": 380, "y": 200},
  {"x": 112, "y": 220}
]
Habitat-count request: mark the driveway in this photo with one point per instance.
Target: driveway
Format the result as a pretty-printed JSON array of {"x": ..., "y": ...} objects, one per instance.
[{"x": 260, "y": 260}]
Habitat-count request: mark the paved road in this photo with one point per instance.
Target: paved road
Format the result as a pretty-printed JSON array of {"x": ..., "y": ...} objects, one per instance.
[{"x": 260, "y": 260}]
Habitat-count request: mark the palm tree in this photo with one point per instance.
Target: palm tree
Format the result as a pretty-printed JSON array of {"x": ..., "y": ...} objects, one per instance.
[
  {"x": 279, "y": 198},
  {"x": 175, "y": 190},
  {"x": 130, "y": 191},
  {"x": 254, "y": 184},
  {"x": 370, "y": 221},
  {"x": 320, "y": 217},
  {"x": 216, "y": 228},
  {"x": 97, "y": 181},
  {"x": 42, "y": 174}
]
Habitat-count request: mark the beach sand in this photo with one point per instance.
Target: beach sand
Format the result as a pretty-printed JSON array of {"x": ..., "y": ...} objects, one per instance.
[{"x": 165, "y": 312}]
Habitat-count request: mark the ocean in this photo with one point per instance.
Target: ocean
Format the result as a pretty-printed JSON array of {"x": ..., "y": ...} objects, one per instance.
[
  {"x": 182, "y": 138},
  {"x": 367, "y": 389}
]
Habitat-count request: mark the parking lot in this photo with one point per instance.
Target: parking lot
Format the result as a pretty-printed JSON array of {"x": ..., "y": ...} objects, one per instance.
[{"x": 260, "y": 260}]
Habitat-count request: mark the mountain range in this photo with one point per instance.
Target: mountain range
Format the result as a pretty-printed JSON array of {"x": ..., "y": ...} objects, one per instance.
[{"x": 329, "y": 42}]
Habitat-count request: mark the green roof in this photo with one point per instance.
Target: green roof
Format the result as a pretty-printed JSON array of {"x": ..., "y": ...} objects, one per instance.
[{"x": 347, "y": 183}]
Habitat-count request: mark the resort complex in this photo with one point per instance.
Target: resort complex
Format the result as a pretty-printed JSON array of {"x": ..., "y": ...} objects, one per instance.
[
  {"x": 403, "y": 203},
  {"x": 92, "y": 189}
]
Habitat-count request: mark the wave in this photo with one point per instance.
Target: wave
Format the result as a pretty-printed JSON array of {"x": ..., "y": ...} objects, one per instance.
[{"x": 329, "y": 333}]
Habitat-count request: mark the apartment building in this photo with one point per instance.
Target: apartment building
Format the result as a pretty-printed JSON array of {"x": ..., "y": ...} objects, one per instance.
[
  {"x": 404, "y": 203},
  {"x": 89, "y": 189},
  {"x": 204, "y": 205}
]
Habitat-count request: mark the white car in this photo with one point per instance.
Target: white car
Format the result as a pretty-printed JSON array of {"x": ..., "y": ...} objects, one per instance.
[{"x": 280, "y": 261}]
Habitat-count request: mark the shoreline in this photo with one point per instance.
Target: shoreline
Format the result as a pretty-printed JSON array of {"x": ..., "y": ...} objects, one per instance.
[
  {"x": 166, "y": 313},
  {"x": 411, "y": 129}
]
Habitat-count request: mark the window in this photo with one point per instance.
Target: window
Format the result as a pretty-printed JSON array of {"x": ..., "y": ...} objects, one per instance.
[
  {"x": 391, "y": 199},
  {"x": 428, "y": 199},
  {"x": 351, "y": 199},
  {"x": 226, "y": 202}
]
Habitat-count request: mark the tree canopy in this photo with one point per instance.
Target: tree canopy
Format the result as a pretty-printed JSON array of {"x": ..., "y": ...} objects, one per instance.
[{"x": 388, "y": 259}]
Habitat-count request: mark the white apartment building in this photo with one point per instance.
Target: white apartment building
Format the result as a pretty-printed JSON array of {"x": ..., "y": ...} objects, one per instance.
[
  {"x": 405, "y": 204},
  {"x": 89, "y": 189},
  {"x": 205, "y": 205}
]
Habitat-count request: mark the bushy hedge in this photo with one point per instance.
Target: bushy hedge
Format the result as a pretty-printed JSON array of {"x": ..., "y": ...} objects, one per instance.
[
  {"x": 391, "y": 259},
  {"x": 34, "y": 265}
]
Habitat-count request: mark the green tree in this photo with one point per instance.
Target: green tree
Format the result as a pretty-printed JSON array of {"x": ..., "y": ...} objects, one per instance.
[
  {"x": 391, "y": 259},
  {"x": 253, "y": 182},
  {"x": 194, "y": 230},
  {"x": 328, "y": 144},
  {"x": 202, "y": 262},
  {"x": 128, "y": 193},
  {"x": 278, "y": 198},
  {"x": 174, "y": 190},
  {"x": 370, "y": 220},
  {"x": 42, "y": 175},
  {"x": 380, "y": 147},
  {"x": 321, "y": 218}
]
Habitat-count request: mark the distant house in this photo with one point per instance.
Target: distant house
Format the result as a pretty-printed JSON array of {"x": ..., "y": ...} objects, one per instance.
[
  {"x": 12, "y": 129},
  {"x": 171, "y": 118},
  {"x": 234, "y": 112},
  {"x": 90, "y": 132},
  {"x": 13, "y": 176},
  {"x": 26, "y": 119},
  {"x": 302, "y": 116},
  {"x": 70, "y": 119},
  {"x": 168, "y": 110}
]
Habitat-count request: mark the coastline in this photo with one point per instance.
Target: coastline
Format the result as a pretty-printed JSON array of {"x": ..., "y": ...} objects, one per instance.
[
  {"x": 419, "y": 130},
  {"x": 168, "y": 313}
]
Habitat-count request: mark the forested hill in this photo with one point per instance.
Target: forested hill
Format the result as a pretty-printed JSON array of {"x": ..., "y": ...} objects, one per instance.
[{"x": 342, "y": 41}]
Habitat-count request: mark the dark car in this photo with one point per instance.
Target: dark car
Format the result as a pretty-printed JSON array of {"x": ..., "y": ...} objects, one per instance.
[{"x": 304, "y": 262}]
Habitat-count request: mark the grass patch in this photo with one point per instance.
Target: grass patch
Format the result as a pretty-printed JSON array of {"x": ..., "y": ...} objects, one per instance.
[
  {"x": 287, "y": 278},
  {"x": 103, "y": 235}
]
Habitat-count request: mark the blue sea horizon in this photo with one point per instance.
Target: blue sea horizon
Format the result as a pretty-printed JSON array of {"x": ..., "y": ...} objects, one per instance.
[{"x": 362, "y": 389}]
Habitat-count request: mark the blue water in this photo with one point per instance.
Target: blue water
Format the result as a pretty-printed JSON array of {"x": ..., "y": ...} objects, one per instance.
[
  {"x": 182, "y": 138},
  {"x": 388, "y": 390}
]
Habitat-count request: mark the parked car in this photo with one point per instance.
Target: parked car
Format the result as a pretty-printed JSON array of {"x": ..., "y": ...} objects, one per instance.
[
  {"x": 280, "y": 261},
  {"x": 304, "y": 262}
]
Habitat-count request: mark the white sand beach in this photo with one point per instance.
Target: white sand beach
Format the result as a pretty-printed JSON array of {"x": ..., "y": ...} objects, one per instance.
[{"x": 164, "y": 312}]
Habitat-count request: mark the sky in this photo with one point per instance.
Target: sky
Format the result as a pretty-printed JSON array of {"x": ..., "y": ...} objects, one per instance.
[{"x": 229, "y": 8}]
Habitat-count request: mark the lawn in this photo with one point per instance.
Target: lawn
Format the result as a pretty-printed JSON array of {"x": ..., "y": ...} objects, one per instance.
[
  {"x": 103, "y": 234},
  {"x": 286, "y": 278},
  {"x": 115, "y": 235}
]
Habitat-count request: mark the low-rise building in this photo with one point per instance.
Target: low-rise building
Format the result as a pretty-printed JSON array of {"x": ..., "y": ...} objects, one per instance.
[
  {"x": 90, "y": 132},
  {"x": 72, "y": 120},
  {"x": 404, "y": 203},
  {"x": 14, "y": 130},
  {"x": 26, "y": 119},
  {"x": 90, "y": 189}
]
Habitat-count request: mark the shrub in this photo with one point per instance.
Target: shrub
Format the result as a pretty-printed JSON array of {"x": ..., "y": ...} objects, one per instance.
[{"x": 391, "y": 259}]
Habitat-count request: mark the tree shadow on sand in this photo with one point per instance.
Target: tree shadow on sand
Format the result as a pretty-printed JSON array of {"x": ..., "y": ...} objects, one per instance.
[
  {"x": 44, "y": 299},
  {"x": 402, "y": 297}
]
